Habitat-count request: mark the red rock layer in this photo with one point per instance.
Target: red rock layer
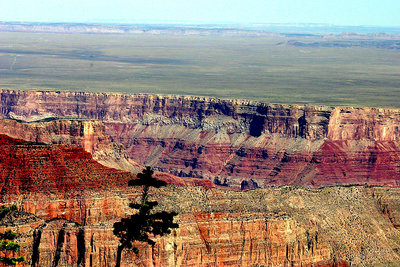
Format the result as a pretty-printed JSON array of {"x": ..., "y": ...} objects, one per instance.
[
  {"x": 88, "y": 134},
  {"x": 34, "y": 167}
]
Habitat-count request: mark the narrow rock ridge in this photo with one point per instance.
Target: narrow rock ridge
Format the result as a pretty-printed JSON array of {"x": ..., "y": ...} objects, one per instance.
[
  {"x": 86, "y": 133},
  {"x": 57, "y": 169}
]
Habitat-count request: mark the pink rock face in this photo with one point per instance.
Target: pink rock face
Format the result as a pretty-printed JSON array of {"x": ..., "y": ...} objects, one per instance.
[
  {"x": 364, "y": 123},
  {"x": 237, "y": 143},
  {"x": 202, "y": 240},
  {"x": 34, "y": 167}
]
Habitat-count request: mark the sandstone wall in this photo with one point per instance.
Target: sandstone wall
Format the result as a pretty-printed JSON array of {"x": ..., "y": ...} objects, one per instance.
[
  {"x": 68, "y": 204},
  {"x": 238, "y": 143},
  {"x": 88, "y": 134},
  {"x": 267, "y": 227},
  {"x": 232, "y": 116}
]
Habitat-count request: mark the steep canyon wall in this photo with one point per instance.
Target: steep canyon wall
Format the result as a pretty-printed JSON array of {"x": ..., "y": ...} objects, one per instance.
[
  {"x": 68, "y": 203},
  {"x": 237, "y": 143}
]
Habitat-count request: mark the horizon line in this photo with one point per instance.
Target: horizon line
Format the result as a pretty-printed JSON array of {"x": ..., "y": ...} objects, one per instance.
[{"x": 200, "y": 23}]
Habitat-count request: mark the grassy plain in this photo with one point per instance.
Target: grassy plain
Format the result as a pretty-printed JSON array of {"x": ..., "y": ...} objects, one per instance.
[{"x": 260, "y": 68}]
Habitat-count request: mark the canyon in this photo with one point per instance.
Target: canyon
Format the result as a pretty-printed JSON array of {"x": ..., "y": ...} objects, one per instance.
[
  {"x": 235, "y": 143},
  {"x": 68, "y": 203},
  {"x": 70, "y": 224},
  {"x": 253, "y": 184}
]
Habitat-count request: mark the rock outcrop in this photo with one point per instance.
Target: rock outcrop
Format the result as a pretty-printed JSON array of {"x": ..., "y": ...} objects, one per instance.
[
  {"x": 237, "y": 143},
  {"x": 29, "y": 167},
  {"x": 88, "y": 134},
  {"x": 268, "y": 227}
]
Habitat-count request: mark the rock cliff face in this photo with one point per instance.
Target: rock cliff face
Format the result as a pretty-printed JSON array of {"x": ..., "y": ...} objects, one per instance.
[
  {"x": 72, "y": 203},
  {"x": 65, "y": 217},
  {"x": 34, "y": 167},
  {"x": 68, "y": 202},
  {"x": 88, "y": 134},
  {"x": 238, "y": 143},
  {"x": 207, "y": 239}
]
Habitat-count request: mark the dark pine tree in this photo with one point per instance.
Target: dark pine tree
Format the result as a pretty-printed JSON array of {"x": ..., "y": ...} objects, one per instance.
[
  {"x": 138, "y": 226},
  {"x": 8, "y": 248}
]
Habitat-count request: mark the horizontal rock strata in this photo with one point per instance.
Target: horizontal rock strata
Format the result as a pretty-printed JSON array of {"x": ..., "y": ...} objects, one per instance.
[
  {"x": 268, "y": 227},
  {"x": 66, "y": 220},
  {"x": 236, "y": 143}
]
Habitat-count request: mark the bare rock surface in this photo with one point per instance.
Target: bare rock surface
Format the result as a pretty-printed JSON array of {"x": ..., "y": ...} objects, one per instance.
[
  {"x": 268, "y": 227},
  {"x": 237, "y": 143},
  {"x": 70, "y": 224}
]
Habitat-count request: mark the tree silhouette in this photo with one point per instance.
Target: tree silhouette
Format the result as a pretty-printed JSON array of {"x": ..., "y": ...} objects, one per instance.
[
  {"x": 8, "y": 247},
  {"x": 138, "y": 226},
  {"x": 6, "y": 210}
]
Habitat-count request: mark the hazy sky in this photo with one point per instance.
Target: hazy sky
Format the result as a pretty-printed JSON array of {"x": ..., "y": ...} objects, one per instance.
[{"x": 338, "y": 12}]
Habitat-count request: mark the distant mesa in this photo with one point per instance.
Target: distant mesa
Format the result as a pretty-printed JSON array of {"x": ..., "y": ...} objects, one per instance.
[{"x": 263, "y": 30}]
